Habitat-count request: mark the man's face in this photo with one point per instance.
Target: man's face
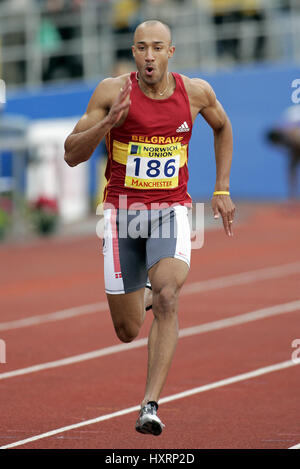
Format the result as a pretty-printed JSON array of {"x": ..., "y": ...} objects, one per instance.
[{"x": 151, "y": 51}]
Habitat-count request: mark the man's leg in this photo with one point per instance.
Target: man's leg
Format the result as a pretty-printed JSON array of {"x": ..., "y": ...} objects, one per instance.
[
  {"x": 167, "y": 278},
  {"x": 128, "y": 312},
  {"x": 125, "y": 274}
]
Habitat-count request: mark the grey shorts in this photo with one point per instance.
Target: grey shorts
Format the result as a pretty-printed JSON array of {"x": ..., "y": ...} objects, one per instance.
[{"x": 136, "y": 240}]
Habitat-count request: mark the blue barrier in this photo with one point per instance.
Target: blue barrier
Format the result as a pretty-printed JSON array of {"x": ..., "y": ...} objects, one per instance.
[{"x": 254, "y": 98}]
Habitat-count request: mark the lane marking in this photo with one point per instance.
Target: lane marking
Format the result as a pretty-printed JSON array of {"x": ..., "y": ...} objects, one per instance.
[
  {"x": 292, "y": 447},
  {"x": 242, "y": 278},
  {"x": 187, "y": 332},
  {"x": 56, "y": 316},
  {"x": 164, "y": 400}
]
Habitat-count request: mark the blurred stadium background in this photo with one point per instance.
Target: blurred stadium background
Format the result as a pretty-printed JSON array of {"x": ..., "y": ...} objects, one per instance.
[{"x": 54, "y": 52}]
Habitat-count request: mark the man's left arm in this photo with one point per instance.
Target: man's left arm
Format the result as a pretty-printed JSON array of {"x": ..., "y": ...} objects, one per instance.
[{"x": 216, "y": 117}]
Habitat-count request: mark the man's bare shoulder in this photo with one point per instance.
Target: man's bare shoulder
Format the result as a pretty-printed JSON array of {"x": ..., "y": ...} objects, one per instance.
[
  {"x": 107, "y": 90},
  {"x": 199, "y": 91},
  {"x": 114, "y": 82}
]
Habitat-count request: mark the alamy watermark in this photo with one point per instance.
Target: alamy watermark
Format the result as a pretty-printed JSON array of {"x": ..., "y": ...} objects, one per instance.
[
  {"x": 296, "y": 354},
  {"x": 155, "y": 221},
  {"x": 2, "y": 92},
  {"x": 2, "y": 351},
  {"x": 296, "y": 93}
]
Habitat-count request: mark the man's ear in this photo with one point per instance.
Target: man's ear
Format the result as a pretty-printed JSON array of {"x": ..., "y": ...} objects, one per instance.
[
  {"x": 171, "y": 51},
  {"x": 133, "y": 51}
]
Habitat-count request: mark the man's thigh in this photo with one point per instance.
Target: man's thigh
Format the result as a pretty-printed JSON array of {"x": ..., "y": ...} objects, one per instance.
[
  {"x": 170, "y": 237},
  {"x": 168, "y": 272},
  {"x": 127, "y": 310},
  {"x": 125, "y": 269},
  {"x": 125, "y": 274}
]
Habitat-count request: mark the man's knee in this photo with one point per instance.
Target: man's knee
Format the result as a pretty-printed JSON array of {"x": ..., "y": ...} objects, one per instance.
[
  {"x": 165, "y": 300},
  {"x": 127, "y": 332},
  {"x": 127, "y": 314}
]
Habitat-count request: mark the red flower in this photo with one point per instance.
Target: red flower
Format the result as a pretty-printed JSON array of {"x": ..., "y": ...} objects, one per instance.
[{"x": 44, "y": 203}]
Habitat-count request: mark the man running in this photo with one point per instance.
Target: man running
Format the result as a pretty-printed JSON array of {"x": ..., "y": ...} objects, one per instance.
[{"x": 147, "y": 118}]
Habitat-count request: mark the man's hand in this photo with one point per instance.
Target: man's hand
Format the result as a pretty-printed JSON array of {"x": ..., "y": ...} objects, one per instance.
[
  {"x": 120, "y": 105},
  {"x": 96, "y": 122},
  {"x": 222, "y": 204}
]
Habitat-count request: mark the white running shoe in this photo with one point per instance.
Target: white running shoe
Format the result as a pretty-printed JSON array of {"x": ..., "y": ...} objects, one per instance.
[{"x": 148, "y": 422}]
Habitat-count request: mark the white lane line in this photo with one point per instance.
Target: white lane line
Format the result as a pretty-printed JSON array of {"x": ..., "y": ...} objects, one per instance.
[
  {"x": 242, "y": 278},
  {"x": 75, "y": 359},
  {"x": 56, "y": 316},
  {"x": 189, "y": 331},
  {"x": 173, "y": 397},
  {"x": 242, "y": 318},
  {"x": 292, "y": 447}
]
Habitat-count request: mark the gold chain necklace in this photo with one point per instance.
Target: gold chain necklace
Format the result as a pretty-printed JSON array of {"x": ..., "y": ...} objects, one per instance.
[{"x": 160, "y": 94}]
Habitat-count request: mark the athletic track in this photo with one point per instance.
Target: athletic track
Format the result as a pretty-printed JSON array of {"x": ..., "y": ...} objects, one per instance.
[{"x": 69, "y": 383}]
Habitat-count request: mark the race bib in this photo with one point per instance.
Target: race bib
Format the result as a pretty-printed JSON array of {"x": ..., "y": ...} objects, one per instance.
[{"x": 152, "y": 166}]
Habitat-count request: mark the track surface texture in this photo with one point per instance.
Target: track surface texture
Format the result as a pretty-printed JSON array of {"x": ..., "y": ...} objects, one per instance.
[{"x": 234, "y": 383}]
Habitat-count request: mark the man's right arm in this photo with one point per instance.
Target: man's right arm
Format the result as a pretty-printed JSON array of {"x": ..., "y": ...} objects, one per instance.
[{"x": 99, "y": 118}]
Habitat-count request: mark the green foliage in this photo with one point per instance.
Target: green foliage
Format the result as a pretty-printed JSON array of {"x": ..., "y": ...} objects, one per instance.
[{"x": 4, "y": 222}]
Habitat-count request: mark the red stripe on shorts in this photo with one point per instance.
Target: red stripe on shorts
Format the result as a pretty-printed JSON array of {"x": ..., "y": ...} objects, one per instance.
[{"x": 115, "y": 241}]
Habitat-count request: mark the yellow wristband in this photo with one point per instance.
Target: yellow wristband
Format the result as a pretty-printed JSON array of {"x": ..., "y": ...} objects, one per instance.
[{"x": 221, "y": 193}]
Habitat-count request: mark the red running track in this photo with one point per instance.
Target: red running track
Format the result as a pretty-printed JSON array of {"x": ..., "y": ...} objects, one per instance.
[{"x": 53, "y": 275}]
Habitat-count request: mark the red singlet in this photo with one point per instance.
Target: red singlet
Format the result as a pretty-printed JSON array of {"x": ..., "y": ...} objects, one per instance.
[{"x": 148, "y": 153}]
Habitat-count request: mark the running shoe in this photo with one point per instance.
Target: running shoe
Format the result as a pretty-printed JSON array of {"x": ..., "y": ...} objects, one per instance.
[
  {"x": 148, "y": 422},
  {"x": 147, "y": 308}
]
